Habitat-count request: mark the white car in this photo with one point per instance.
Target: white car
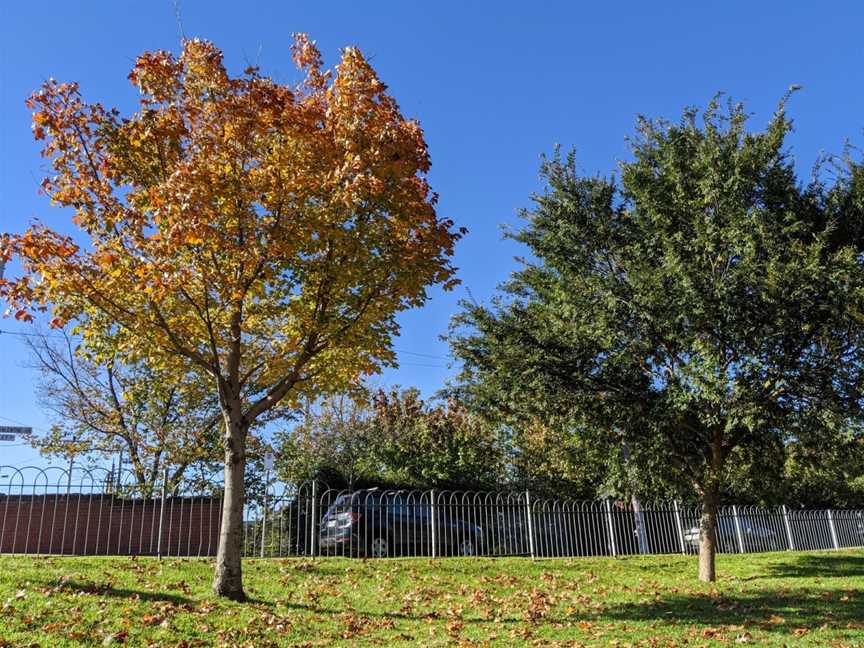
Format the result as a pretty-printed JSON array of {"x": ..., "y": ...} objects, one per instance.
[{"x": 753, "y": 536}]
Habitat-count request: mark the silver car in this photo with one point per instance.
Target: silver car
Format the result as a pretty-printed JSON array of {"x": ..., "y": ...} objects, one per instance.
[{"x": 753, "y": 536}]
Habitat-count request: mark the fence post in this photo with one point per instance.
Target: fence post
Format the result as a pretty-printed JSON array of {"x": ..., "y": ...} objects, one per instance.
[
  {"x": 433, "y": 517},
  {"x": 530, "y": 518},
  {"x": 612, "y": 547},
  {"x": 678, "y": 524},
  {"x": 833, "y": 529},
  {"x": 313, "y": 522},
  {"x": 639, "y": 522},
  {"x": 738, "y": 529},
  {"x": 788, "y": 529},
  {"x": 162, "y": 511},
  {"x": 65, "y": 507},
  {"x": 264, "y": 512}
]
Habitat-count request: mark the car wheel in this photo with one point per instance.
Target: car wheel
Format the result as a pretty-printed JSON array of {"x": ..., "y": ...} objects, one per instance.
[
  {"x": 467, "y": 547},
  {"x": 379, "y": 547}
]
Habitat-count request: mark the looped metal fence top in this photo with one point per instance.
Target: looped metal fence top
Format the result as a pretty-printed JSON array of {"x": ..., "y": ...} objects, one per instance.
[{"x": 99, "y": 512}]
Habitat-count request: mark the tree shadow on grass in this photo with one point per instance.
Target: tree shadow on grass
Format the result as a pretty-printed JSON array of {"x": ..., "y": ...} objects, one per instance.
[
  {"x": 103, "y": 589},
  {"x": 785, "y": 615},
  {"x": 821, "y": 565},
  {"x": 782, "y": 611}
]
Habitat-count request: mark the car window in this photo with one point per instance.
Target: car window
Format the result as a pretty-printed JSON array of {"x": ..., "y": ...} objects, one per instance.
[
  {"x": 367, "y": 499},
  {"x": 389, "y": 503},
  {"x": 415, "y": 508},
  {"x": 726, "y": 524},
  {"x": 397, "y": 505},
  {"x": 342, "y": 500},
  {"x": 357, "y": 499}
]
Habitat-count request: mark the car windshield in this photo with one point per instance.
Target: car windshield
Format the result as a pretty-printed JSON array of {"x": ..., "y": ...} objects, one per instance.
[{"x": 347, "y": 501}]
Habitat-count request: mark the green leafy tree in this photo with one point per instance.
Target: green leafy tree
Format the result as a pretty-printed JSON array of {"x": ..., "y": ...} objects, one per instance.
[
  {"x": 332, "y": 442},
  {"x": 393, "y": 438},
  {"x": 439, "y": 445},
  {"x": 705, "y": 302},
  {"x": 829, "y": 475},
  {"x": 551, "y": 459}
]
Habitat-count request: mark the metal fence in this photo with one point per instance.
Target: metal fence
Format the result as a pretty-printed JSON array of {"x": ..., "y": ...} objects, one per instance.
[{"x": 55, "y": 511}]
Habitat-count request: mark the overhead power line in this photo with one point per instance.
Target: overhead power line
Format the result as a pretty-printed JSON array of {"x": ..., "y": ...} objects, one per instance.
[
  {"x": 421, "y": 355},
  {"x": 51, "y": 335},
  {"x": 419, "y": 364},
  {"x": 5, "y": 332}
]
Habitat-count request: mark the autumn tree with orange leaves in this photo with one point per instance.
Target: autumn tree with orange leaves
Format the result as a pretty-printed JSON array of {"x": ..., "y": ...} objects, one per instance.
[{"x": 264, "y": 234}]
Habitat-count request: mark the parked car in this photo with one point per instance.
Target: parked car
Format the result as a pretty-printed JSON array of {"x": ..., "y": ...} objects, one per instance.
[
  {"x": 753, "y": 536},
  {"x": 376, "y": 524}
]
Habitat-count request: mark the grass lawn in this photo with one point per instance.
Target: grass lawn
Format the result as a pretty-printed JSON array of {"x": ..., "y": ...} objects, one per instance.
[{"x": 777, "y": 599}]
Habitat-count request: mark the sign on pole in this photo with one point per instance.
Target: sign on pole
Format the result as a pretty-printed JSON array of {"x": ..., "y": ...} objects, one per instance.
[
  {"x": 15, "y": 429},
  {"x": 8, "y": 432}
]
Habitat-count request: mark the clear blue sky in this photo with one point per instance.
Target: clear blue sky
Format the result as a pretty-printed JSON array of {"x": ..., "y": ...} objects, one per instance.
[{"x": 494, "y": 84}]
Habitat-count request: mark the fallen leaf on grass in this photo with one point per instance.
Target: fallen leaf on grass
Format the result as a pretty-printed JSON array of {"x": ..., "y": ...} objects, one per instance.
[
  {"x": 116, "y": 638},
  {"x": 454, "y": 628}
]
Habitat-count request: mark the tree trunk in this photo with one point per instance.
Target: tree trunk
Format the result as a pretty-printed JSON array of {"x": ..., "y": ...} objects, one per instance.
[
  {"x": 638, "y": 513},
  {"x": 228, "y": 579},
  {"x": 708, "y": 533}
]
